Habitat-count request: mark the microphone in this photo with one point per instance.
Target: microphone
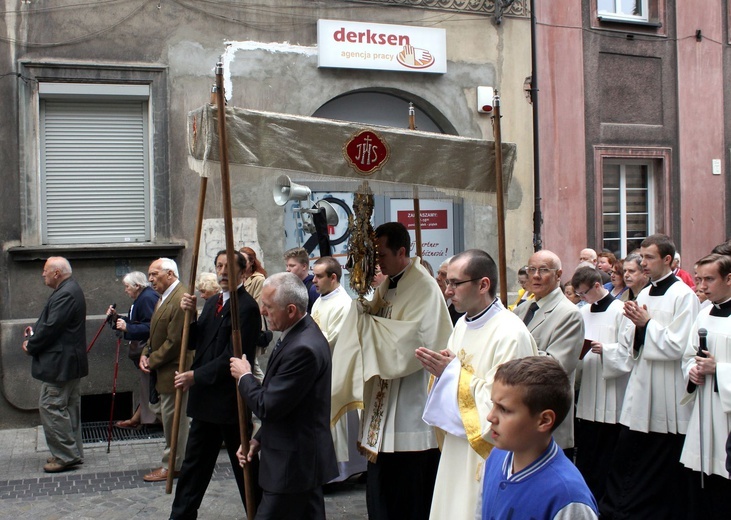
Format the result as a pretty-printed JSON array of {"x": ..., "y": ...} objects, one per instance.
[{"x": 702, "y": 346}]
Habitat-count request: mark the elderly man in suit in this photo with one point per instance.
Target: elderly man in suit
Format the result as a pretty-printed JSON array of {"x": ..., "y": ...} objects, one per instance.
[
  {"x": 57, "y": 343},
  {"x": 555, "y": 324},
  {"x": 293, "y": 403},
  {"x": 162, "y": 357},
  {"x": 211, "y": 392}
]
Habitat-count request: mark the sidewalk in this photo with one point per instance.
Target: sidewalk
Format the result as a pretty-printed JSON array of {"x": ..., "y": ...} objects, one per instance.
[{"x": 109, "y": 486}]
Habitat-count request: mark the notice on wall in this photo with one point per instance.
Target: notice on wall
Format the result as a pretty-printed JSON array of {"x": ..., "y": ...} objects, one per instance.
[
  {"x": 213, "y": 240},
  {"x": 437, "y": 231},
  {"x": 374, "y": 46}
]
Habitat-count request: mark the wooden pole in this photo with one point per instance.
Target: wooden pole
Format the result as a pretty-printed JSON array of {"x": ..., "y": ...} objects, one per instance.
[
  {"x": 417, "y": 209},
  {"x": 500, "y": 200},
  {"x": 233, "y": 279},
  {"x": 189, "y": 316}
]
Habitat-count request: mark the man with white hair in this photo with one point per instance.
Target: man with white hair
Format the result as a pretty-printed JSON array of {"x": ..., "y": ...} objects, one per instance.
[
  {"x": 293, "y": 403},
  {"x": 555, "y": 324},
  {"x": 162, "y": 356},
  {"x": 57, "y": 343}
]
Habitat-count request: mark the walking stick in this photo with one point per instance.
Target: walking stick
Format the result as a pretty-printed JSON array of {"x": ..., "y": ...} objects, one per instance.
[
  {"x": 189, "y": 315},
  {"x": 231, "y": 262},
  {"x": 114, "y": 395},
  {"x": 114, "y": 306}
]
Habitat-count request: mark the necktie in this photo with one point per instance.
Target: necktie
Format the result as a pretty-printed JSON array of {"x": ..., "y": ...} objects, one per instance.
[
  {"x": 277, "y": 345},
  {"x": 219, "y": 304},
  {"x": 531, "y": 311}
]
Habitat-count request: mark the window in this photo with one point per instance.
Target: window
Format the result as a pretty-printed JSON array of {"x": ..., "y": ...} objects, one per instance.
[
  {"x": 627, "y": 205},
  {"x": 623, "y": 9},
  {"x": 632, "y": 195},
  {"x": 94, "y": 163},
  {"x": 94, "y": 170}
]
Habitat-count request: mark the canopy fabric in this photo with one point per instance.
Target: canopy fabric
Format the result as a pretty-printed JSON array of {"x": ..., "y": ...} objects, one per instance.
[{"x": 315, "y": 146}]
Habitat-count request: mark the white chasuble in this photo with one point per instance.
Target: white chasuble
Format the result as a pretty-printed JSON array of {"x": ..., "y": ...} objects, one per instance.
[
  {"x": 375, "y": 367},
  {"x": 460, "y": 402}
]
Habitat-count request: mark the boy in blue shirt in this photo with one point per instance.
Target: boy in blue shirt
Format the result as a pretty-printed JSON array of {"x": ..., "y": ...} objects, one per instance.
[{"x": 527, "y": 475}]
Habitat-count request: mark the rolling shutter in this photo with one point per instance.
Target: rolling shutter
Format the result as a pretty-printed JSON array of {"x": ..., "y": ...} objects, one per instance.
[{"x": 94, "y": 171}]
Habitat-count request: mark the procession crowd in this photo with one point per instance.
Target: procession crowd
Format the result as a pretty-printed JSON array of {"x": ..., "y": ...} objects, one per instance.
[{"x": 608, "y": 396}]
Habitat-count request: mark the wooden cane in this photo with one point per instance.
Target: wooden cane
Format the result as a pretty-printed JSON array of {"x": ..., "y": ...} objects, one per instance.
[
  {"x": 189, "y": 316},
  {"x": 500, "y": 201},
  {"x": 232, "y": 279},
  {"x": 417, "y": 209}
]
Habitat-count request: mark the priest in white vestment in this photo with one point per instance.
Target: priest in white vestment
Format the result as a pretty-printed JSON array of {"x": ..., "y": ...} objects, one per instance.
[
  {"x": 709, "y": 380},
  {"x": 374, "y": 368},
  {"x": 647, "y": 479},
  {"x": 329, "y": 312},
  {"x": 460, "y": 397},
  {"x": 603, "y": 383}
]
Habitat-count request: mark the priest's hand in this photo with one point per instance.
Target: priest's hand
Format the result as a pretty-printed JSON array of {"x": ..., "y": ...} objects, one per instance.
[
  {"x": 706, "y": 365},
  {"x": 696, "y": 376},
  {"x": 434, "y": 362},
  {"x": 636, "y": 314},
  {"x": 596, "y": 347}
]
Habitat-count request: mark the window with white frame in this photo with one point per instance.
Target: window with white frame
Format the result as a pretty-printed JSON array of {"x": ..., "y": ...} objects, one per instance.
[
  {"x": 628, "y": 195},
  {"x": 631, "y": 10},
  {"x": 94, "y": 163}
]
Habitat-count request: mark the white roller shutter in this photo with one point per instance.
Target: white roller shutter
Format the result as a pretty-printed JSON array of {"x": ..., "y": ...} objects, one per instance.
[{"x": 94, "y": 171}]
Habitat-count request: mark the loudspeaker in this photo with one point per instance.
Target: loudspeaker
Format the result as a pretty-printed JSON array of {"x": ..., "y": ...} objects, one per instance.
[
  {"x": 286, "y": 190},
  {"x": 330, "y": 214}
]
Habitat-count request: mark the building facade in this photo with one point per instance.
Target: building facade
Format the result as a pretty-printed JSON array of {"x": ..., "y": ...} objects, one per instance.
[{"x": 94, "y": 149}]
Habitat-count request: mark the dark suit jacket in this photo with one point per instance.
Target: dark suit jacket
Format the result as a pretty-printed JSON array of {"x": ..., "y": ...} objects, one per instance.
[
  {"x": 293, "y": 404},
  {"x": 58, "y": 345},
  {"x": 213, "y": 396},
  {"x": 138, "y": 322},
  {"x": 166, "y": 336}
]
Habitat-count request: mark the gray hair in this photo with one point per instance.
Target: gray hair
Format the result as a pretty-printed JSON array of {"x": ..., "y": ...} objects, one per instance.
[
  {"x": 136, "y": 279},
  {"x": 633, "y": 257},
  {"x": 169, "y": 265},
  {"x": 288, "y": 289},
  {"x": 207, "y": 282}
]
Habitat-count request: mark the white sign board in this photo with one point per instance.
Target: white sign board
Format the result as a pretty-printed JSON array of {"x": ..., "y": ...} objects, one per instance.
[
  {"x": 437, "y": 233},
  {"x": 376, "y": 46}
]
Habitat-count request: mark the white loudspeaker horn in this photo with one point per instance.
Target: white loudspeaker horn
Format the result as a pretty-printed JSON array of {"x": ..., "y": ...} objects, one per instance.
[
  {"x": 330, "y": 214},
  {"x": 286, "y": 190}
]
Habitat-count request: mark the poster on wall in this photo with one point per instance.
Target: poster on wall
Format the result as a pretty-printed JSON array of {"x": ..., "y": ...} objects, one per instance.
[{"x": 437, "y": 233}]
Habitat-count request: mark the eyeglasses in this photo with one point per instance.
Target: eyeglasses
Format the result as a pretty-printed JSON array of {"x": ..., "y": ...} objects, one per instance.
[
  {"x": 543, "y": 271},
  {"x": 453, "y": 284},
  {"x": 581, "y": 294}
]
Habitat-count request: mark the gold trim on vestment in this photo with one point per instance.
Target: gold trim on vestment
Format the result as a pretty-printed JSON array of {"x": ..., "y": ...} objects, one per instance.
[
  {"x": 470, "y": 416},
  {"x": 355, "y": 405}
]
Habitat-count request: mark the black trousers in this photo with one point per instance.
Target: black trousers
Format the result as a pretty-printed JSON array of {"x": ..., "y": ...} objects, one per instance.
[
  {"x": 305, "y": 505},
  {"x": 204, "y": 445},
  {"x": 399, "y": 486},
  {"x": 647, "y": 479},
  {"x": 595, "y": 443}
]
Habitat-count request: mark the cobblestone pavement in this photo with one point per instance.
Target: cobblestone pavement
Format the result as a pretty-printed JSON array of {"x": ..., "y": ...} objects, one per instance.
[{"x": 109, "y": 486}]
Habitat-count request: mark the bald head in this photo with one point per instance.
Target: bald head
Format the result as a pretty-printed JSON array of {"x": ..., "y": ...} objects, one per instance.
[
  {"x": 544, "y": 273},
  {"x": 56, "y": 270}
]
